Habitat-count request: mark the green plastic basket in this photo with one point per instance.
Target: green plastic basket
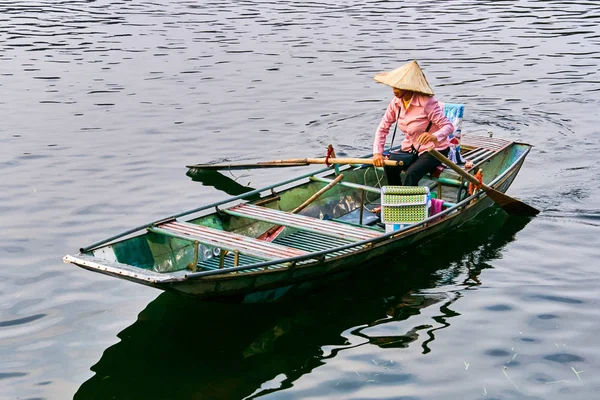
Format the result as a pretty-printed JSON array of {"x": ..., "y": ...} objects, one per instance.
[{"x": 402, "y": 205}]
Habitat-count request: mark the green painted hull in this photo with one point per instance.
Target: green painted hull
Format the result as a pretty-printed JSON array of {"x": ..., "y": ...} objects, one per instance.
[{"x": 152, "y": 259}]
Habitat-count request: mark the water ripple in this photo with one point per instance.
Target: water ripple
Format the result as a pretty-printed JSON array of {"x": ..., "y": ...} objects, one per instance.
[{"x": 21, "y": 320}]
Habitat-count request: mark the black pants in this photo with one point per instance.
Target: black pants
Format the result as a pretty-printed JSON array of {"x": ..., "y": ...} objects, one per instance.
[{"x": 424, "y": 164}]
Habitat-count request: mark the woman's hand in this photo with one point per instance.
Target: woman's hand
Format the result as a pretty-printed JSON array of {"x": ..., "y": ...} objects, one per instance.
[
  {"x": 378, "y": 160},
  {"x": 426, "y": 137}
]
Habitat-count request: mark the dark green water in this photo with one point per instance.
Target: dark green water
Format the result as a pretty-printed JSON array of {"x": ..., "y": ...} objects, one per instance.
[{"x": 104, "y": 103}]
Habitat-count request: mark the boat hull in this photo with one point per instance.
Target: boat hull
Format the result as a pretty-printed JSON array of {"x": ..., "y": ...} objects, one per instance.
[{"x": 265, "y": 283}]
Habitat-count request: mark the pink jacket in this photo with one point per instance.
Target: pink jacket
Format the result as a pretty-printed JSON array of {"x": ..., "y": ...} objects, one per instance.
[{"x": 414, "y": 122}]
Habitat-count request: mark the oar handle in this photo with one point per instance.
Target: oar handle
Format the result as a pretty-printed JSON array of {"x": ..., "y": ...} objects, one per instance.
[
  {"x": 295, "y": 162},
  {"x": 336, "y": 160},
  {"x": 455, "y": 168}
]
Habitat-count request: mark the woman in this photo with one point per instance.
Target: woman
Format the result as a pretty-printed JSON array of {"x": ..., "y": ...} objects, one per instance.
[{"x": 419, "y": 116}]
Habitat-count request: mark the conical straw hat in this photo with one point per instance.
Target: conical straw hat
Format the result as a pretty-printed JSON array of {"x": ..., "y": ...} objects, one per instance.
[{"x": 407, "y": 77}]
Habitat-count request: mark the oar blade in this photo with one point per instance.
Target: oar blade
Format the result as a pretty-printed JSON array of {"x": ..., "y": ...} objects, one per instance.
[
  {"x": 230, "y": 167},
  {"x": 510, "y": 204}
]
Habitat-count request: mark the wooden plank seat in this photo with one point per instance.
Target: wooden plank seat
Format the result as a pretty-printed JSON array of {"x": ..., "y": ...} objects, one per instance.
[
  {"x": 224, "y": 240},
  {"x": 477, "y": 155},
  {"x": 303, "y": 222},
  {"x": 483, "y": 142}
]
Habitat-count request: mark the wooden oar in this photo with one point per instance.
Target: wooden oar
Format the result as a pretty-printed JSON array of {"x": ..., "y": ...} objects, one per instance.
[
  {"x": 294, "y": 162},
  {"x": 507, "y": 203},
  {"x": 272, "y": 233}
]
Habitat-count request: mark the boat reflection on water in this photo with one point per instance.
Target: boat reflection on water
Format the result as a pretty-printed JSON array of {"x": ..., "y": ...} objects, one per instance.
[
  {"x": 185, "y": 348},
  {"x": 219, "y": 181}
]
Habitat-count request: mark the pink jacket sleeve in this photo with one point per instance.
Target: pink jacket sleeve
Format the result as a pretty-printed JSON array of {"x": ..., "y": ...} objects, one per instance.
[
  {"x": 437, "y": 117},
  {"x": 388, "y": 119}
]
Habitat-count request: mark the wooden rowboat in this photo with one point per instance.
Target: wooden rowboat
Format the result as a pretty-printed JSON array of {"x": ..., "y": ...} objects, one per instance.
[{"x": 220, "y": 251}]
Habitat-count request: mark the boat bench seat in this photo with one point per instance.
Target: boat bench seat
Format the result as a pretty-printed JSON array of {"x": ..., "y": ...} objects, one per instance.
[
  {"x": 303, "y": 222},
  {"x": 226, "y": 240},
  {"x": 477, "y": 155}
]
